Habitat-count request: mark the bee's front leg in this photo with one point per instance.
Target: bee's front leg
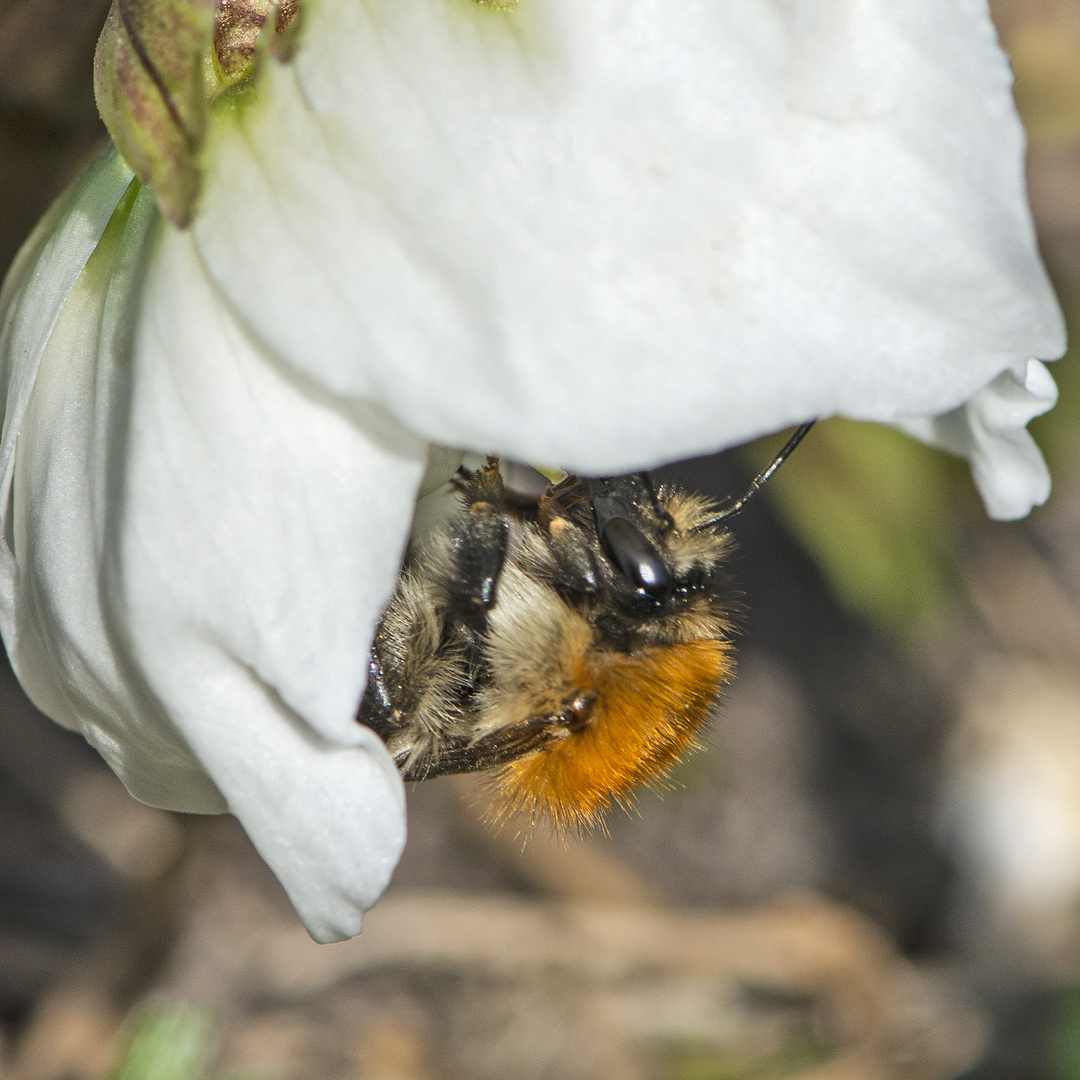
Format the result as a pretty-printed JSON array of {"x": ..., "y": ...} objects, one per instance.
[{"x": 479, "y": 542}]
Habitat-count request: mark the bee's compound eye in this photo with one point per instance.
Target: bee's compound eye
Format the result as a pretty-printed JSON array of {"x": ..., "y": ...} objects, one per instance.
[{"x": 638, "y": 560}]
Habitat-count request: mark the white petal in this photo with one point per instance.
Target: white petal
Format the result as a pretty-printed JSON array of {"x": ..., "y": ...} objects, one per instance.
[
  {"x": 990, "y": 431},
  {"x": 62, "y": 644},
  {"x": 259, "y": 509},
  {"x": 34, "y": 291},
  {"x": 204, "y": 543},
  {"x": 328, "y": 818},
  {"x": 261, "y": 538},
  {"x": 603, "y": 233}
]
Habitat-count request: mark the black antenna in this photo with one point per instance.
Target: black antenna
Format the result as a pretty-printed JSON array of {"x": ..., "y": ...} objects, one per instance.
[{"x": 761, "y": 477}]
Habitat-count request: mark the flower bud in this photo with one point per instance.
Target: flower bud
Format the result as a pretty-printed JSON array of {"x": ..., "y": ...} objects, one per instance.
[
  {"x": 151, "y": 93},
  {"x": 158, "y": 65}
]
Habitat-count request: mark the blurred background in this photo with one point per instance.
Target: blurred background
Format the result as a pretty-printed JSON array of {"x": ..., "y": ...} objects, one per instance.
[{"x": 873, "y": 870}]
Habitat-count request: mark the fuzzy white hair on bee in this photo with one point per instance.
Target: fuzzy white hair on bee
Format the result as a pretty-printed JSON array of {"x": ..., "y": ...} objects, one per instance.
[{"x": 576, "y": 643}]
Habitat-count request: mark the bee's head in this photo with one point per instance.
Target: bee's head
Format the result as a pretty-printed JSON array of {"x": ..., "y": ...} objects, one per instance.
[
  {"x": 632, "y": 528},
  {"x": 638, "y": 557}
]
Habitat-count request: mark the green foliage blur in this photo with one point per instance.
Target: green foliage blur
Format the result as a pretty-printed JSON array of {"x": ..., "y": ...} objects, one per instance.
[
  {"x": 878, "y": 512},
  {"x": 170, "y": 1042},
  {"x": 687, "y": 1058},
  {"x": 1066, "y": 1039}
]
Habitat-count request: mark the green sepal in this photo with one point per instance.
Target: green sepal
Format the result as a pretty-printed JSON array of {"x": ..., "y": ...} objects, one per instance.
[{"x": 151, "y": 92}]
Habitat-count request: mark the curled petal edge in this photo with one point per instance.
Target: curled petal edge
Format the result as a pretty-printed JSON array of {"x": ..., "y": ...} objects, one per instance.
[{"x": 990, "y": 431}]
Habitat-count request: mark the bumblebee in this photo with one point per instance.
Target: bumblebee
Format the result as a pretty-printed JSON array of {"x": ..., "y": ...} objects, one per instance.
[{"x": 576, "y": 642}]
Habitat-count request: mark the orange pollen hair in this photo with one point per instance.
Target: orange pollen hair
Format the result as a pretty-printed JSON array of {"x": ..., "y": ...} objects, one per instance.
[{"x": 648, "y": 711}]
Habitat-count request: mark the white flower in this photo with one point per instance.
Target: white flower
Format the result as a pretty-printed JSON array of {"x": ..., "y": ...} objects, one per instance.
[
  {"x": 594, "y": 233},
  {"x": 197, "y": 548}
]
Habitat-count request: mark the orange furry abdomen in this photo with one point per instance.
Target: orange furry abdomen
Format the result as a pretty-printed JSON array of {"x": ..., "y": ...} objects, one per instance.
[{"x": 649, "y": 707}]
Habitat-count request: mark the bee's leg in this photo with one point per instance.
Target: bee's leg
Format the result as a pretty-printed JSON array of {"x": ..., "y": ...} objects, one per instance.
[
  {"x": 377, "y": 709},
  {"x": 479, "y": 542}
]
